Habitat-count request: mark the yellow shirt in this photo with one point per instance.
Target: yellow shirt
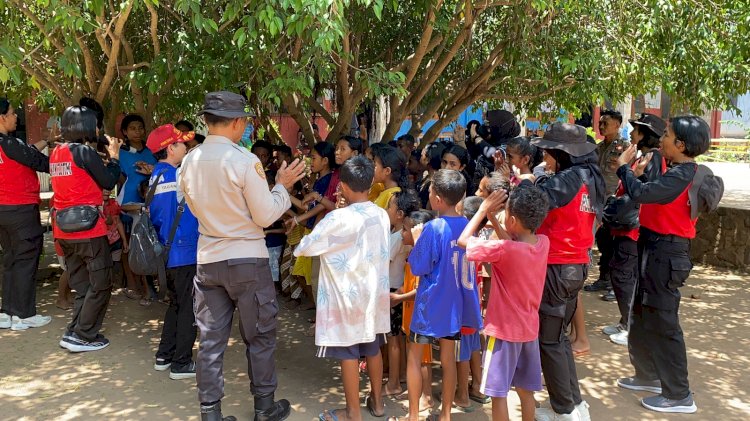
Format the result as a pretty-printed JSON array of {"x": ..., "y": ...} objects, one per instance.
[
  {"x": 375, "y": 191},
  {"x": 385, "y": 196}
]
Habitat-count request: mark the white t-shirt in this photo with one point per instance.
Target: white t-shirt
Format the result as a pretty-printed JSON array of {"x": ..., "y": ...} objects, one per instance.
[
  {"x": 353, "y": 286},
  {"x": 399, "y": 253}
]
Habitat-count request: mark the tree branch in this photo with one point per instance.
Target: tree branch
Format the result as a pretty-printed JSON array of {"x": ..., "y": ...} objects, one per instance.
[
  {"x": 38, "y": 23},
  {"x": 111, "y": 71},
  {"x": 315, "y": 105},
  {"x": 153, "y": 27},
  {"x": 92, "y": 73}
]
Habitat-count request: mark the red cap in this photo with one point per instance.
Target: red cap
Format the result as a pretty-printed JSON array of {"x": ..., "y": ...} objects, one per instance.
[{"x": 165, "y": 135}]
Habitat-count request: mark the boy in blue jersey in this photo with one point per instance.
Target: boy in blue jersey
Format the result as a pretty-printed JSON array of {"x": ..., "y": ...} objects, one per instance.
[
  {"x": 446, "y": 300},
  {"x": 178, "y": 335}
]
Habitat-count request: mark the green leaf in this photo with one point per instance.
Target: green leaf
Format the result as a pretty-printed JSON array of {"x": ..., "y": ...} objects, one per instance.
[{"x": 4, "y": 74}]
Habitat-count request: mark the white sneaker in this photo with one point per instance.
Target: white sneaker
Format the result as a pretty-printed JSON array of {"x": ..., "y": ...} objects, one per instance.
[
  {"x": 614, "y": 329},
  {"x": 620, "y": 338},
  {"x": 5, "y": 321},
  {"x": 548, "y": 414},
  {"x": 583, "y": 411},
  {"x": 18, "y": 323}
]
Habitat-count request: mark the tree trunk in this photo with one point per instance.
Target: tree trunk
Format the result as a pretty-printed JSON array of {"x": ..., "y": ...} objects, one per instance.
[{"x": 380, "y": 120}]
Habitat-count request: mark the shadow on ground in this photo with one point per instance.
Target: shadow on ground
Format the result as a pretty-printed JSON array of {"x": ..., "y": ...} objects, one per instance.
[{"x": 40, "y": 381}]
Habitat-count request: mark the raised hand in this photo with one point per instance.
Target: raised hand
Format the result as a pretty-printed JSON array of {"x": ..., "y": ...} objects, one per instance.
[{"x": 287, "y": 175}]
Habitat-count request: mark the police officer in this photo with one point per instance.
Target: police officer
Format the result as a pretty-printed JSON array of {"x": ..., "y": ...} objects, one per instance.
[
  {"x": 21, "y": 232},
  {"x": 225, "y": 186},
  {"x": 78, "y": 177}
]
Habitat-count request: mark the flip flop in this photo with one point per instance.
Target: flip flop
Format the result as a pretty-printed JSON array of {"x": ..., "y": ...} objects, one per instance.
[
  {"x": 332, "y": 414},
  {"x": 581, "y": 354},
  {"x": 371, "y": 410},
  {"x": 464, "y": 409},
  {"x": 484, "y": 401}
]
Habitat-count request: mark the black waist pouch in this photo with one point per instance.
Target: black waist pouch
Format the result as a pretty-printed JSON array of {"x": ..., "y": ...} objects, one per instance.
[{"x": 77, "y": 218}]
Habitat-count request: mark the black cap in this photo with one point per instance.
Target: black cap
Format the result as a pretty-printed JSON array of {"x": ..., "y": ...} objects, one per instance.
[
  {"x": 570, "y": 138},
  {"x": 652, "y": 122},
  {"x": 225, "y": 104}
]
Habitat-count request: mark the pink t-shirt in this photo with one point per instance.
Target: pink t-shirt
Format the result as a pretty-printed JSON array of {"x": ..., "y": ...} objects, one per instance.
[{"x": 518, "y": 273}]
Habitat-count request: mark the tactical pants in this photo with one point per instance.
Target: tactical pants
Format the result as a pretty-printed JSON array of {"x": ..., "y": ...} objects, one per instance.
[{"x": 21, "y": 237}]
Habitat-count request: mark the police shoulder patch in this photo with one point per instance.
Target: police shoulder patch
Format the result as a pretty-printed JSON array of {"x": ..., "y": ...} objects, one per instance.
[{"x": 259, "y": 170}]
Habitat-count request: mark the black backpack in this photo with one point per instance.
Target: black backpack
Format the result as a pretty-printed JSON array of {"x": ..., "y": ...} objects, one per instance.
[
  {"x": 621, "y": 213},
  {"x": 147, "y": 255},
  {"x": 706, "y": 191}
]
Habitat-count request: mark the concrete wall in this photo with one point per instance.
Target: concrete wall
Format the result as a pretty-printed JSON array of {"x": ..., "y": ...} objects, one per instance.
[{"x": 723, "y": 239}]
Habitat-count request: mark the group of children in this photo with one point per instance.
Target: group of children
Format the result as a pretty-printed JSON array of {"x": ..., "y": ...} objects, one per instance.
[
  {"x": 393, "y": 273},
  {"x": 492, "y": 280}
]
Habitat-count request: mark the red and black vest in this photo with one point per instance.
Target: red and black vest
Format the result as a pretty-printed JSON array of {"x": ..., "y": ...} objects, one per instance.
[
  {"x": 19, "y": 184},
  {"x": 74, "y": 186},
  {"x": 570, "y": 229},
  {"x": 672, "y": 218}
]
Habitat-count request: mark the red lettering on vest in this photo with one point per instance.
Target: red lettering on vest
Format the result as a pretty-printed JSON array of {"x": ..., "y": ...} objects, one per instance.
[
  {"x": 73, "y": 186},
  {"x": 570, "y": 229},
  {"x": 19, "y": 184}
]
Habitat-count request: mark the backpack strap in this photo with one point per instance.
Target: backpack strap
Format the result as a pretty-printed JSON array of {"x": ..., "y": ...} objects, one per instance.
[
  {"x": 152, "y": 189},
  {"x": 173, "y": 229},
  {"x": 701, "y": 172}
]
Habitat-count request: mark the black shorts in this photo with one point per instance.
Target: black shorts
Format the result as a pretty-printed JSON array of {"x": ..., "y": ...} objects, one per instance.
[{"x": 430, "y": 340}]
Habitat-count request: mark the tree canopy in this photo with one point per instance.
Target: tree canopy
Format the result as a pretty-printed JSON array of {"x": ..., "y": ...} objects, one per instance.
[{"x": 419, "y": 58}]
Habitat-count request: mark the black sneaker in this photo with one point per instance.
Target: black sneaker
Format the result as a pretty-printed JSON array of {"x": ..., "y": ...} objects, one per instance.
[
  {"x": 609, "y": 296},
  {"x": 187, "y": 371},
  {"x": 599, "y": 285},
  {"x": 74, "y": 343},
  {"x": 659, "y": 403},
  {"x": 162, "y": 364},
  {"x": 634, "y": 383}
]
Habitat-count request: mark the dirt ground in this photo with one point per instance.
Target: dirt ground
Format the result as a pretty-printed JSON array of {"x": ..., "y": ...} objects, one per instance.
[{"x": 40, "y": 381}]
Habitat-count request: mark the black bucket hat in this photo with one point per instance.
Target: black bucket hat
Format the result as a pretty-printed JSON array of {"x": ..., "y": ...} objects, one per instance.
[
  {"x": 570, "y": 138},
  {"x": 651, "y": 122},
  {"x": 225, "y": 104}
]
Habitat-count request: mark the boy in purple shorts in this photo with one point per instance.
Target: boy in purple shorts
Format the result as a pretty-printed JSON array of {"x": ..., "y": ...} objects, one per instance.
[
  {"x": 353, "y": 308},
  {"x": 519, "y": 267},
  {"x": 446, "y": 299}
]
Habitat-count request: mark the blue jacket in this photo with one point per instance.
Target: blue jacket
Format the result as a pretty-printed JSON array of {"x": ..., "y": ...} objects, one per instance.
[{"x": 163, "y": 210}]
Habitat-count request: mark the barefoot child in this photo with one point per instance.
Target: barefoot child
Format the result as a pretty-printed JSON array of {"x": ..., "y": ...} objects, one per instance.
[
  {"x": 412, "y": 228},
  {"x": 512, "y": 320},
  {"x": 353, "y": 303},
  {"x": 445, "y": 300},
  {"x": 401, "y": 204}
]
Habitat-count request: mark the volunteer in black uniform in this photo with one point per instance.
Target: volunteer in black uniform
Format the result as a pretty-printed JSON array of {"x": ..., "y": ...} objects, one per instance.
[
  {"x": 21, "y": 232},
  {"x": 78, "y": 177},
  {"x": 656, "y": 343}
]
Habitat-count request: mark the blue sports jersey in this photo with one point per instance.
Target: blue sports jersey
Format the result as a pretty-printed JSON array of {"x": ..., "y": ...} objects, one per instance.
[
  {"x": 128, "y": 157},
  {"x": 163, "y": 210},
  {"x": 446, "y": 296}
]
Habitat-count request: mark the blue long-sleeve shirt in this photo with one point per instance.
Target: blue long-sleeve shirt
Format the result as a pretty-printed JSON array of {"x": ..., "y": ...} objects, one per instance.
[{"x": 163, "y": 210}]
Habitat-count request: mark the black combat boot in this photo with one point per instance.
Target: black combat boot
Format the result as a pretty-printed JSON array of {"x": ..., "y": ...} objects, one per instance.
[
  {"x": 213, "y": 413},
  {"x": 268, "y": 410}
]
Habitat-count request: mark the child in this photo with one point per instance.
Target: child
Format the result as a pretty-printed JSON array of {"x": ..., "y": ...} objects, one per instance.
[
  {"x": 322, "y": 163},
  {"x": 401, "y": 204},
  {"x": 669, "y": 212},
  {"x": 390, "y": 170},
  {"x": 457, "y": 158},
  {"x": 575, "y": 191},
  {"x": 512, "y": 320},
  {"x": 523, "y": 156},
  {"x": 468, "y": 352},
  {"x": 413, "y": 226},
  {"x": 445, "y": 300},
  {"x": 353, "y": 308},
  {"x": 275, "y": 238},
  {"x": 118, "y": 242}
]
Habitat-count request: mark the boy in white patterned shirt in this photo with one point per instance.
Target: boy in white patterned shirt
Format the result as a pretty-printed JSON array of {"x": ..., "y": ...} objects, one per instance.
[{"x": 353, "y": 309}]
